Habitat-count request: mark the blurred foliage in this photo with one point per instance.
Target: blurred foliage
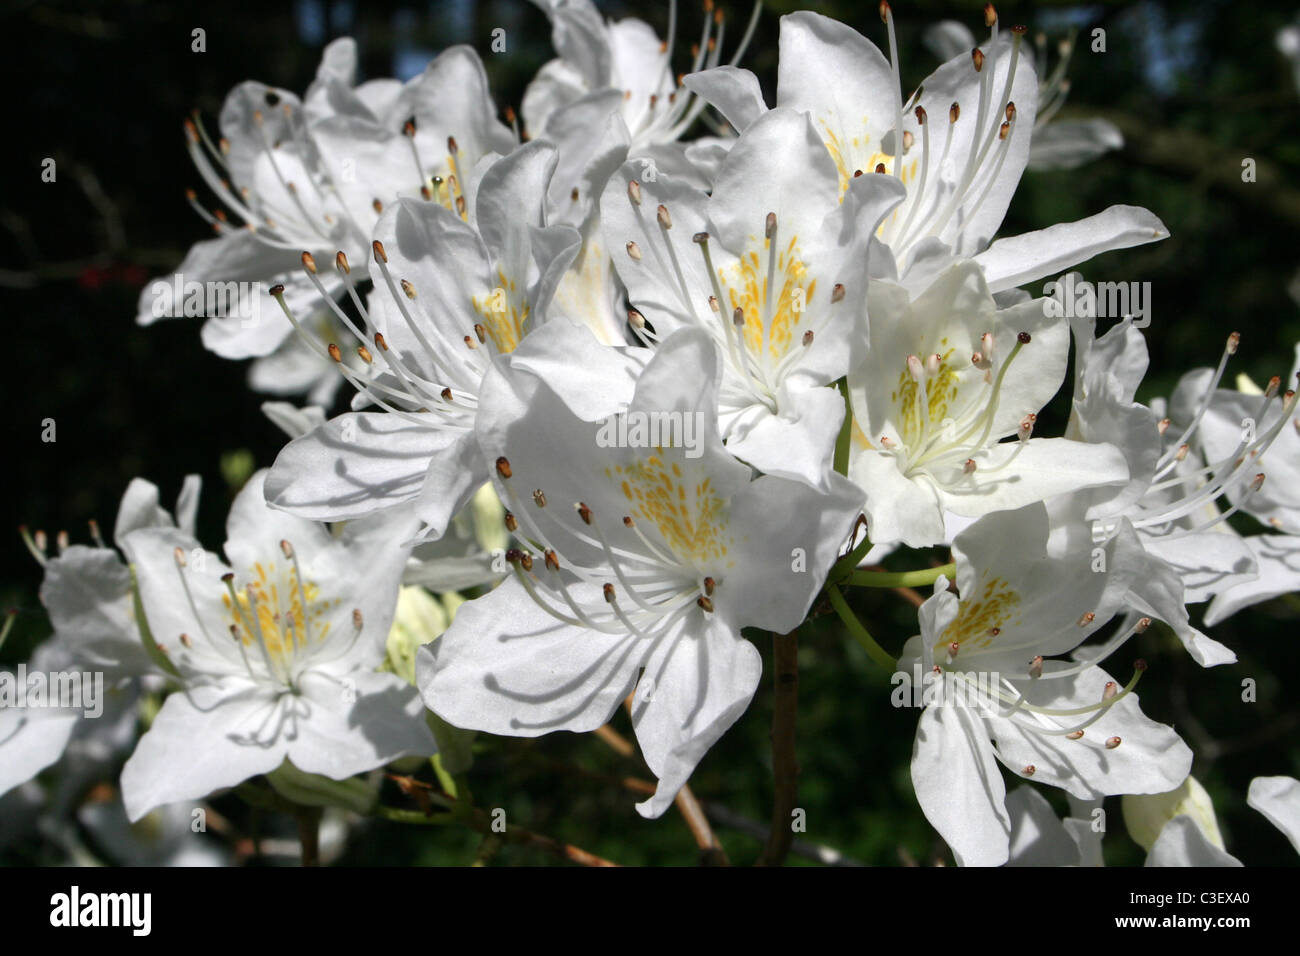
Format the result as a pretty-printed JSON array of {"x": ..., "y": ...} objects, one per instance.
[{"x": 102, "y": 87}]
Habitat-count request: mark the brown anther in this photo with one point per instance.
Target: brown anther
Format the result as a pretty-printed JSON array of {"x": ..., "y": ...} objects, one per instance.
[
  {"x": 177, "y": 553},
  {"x": 185, "y": 639},
  {"x": 990, "y": 15},
  {"x": 1028, "y": 770},
  {"x": 480, "y": 333},
  {"x": 954, "y": 111},
  {"x": 663, "y": 216},
  {"x": 358, "y": 621},
  {"x": 503, "y": 467},
  {"x": 425, "y": 193},
  {"x": 335, "y": 352},
  {"x": 609, "y": 593},
  {"x": 378, "y": 248},
  {"x": 408, "y": 128},
  {"x": 513, "y": 555},
  {"x": 636, "y": 319},
  {"x": 221, "y": 215},
  {"x": 552, "y": 560},
  {"x": 968, "y": 466},
  {"x": 705, "y": 603},
  {"x": 1074, "y": 735},
  {"x": 512, "y": 523},
  {"x": 460, "y": 205},
  {"x": 228, "y": 577},
  {"x": 286, "y": 548},
  {"x": 738, "y": 317},
  {"x": 857, "y": 173},
  {"x": 381, "y": 341},
  {"x": 1020, "y": 29},
  {"x": 1036, "y": 667},
  {"x": 451, "y": 145},
  {"x": 364, "y": 354},
  {"x": 573, "y": 196},
  {"x": 1011, "y": 110},
  {"x": 1113, "y": 742},
  {"x": 920, "y": 115},
  {"x": 628, "y": 522},
  {"x": 808, "y": 338},
  {"x": 953, "y": 648},
  {"x": 837, "y": 292},
  {"x": 769, "y": 226},
  {"x": 880, "y": 167},
  {"x": 1003, "y": 130},
  {"x": 995, "y": 631},
  {"x": 1087, "y": 618},
  {"x": 884, "y": 11},
  {"x": 1109, "y": 691},
  {"x": 446, "y": 394},
  {"x": 1234, "y": 340},
  {"x": 977, "y": 57},
  {"x": 709, "y": 585},
  {"x": 634, "y": 250},
  {"x": 634, "y": 191},
  {"x": 1163, "y": 426},
  {"x": 539, "y": 497},
  {"x": 191, "y": 195},
  {"x": 583, "y": 512},
  {"x": 526, "y": 560}
]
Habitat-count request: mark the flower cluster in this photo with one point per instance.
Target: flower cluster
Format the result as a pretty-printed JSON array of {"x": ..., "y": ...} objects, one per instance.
[{"x": 640, "y": 395}]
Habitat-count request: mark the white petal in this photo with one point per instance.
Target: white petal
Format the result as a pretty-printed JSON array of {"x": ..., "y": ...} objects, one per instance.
[
  {"x": 1278, "y": 798},
  {"x": 959, "y": 786},
  {"x": 1021, "y": 259}
]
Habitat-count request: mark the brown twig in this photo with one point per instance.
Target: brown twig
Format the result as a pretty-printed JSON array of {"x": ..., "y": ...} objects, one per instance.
[{"x": 785, "y": 763}]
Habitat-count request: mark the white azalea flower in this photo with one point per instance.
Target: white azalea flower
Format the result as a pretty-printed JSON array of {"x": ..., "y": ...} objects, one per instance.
[
  {"x": 450, "y": 298},
  {"x": 963, "y": 137},
  {"x": 87, "y": 593},
  {"x": 315, "y": 174},
  {"x": 627, "y": 58},
  {"x": 1191, "y": 552},
  {"x": 772, "y": 265},
  {"x": 946, "y": 378},
  {"x": 1063, "y": 723},
  {"x": 277, "y": 653},
  {"x": 643, "y": 564}
]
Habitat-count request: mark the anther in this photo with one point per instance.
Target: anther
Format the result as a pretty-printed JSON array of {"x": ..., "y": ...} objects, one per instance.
[
  {"x": 1023, "y": 338},
  {"x": 381, "y": 341},
  {"x": 185, "y": 639},
  {"x": 1074, "y": 735},
  {"x": 552, "y": 560},
  {"x": 1036, "y": 667},
  {"x": 526, "y": 560},
  {"x": 664, "y": 218},
  {"x": 769, "y": 226},
  {"x": 700, "y": 237},
  {"x": 636, "y": 319},
  {"x": 609, "y": 593},
  {"x": 837, "y": 292},
  {"x": 480, "y": 333},
  {"x": 286, "y": 548},
  {"x": 977, "y": 57},
  {"x": 954, "y": 111},
  {"x": 969, "y": 466},
  {"x": 357, "y": 619},
  {"x": 511, "y": 522},
  {"x": 1109, "y": 690},
  {"x": 503, "y": 467},
  {"x": 1087, "y": 618},
  {"x": 1234, "y": 339},
  {"x": 177, "y": 553},
  {"x": 335, "y": 352},
  {"x": 539, "y": 498},
  {"x": 364, "y": 353},
  {"x": 990, "y": 15},
  {"x": 341, "y": 263},
  {"x": 634, "y": 250},
  {"x": 583, "y": 512},
  {"x": 709, "y": 585},
  {"x": 634, "y": 191},
  {"x": 738, "y": 317},
  {"x": 1113, "y": 742},
  {"x": 378, "y": 248},
  {"x": 1142, "y": 625},
  {"x": 704, "y": 603},
  {"x": 808, "y": 340}
]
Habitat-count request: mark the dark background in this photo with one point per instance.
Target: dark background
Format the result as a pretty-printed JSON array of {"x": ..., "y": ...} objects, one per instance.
[{"x": 102, "y": 87}]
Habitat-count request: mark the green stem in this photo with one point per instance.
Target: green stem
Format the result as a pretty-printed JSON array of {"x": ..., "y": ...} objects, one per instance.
[
  {"x": 860, "y": 633},
  {"x": 900, "y": 579},
  {"x": 415, "y": 816},
  {"x": 845, "y": 438}
]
